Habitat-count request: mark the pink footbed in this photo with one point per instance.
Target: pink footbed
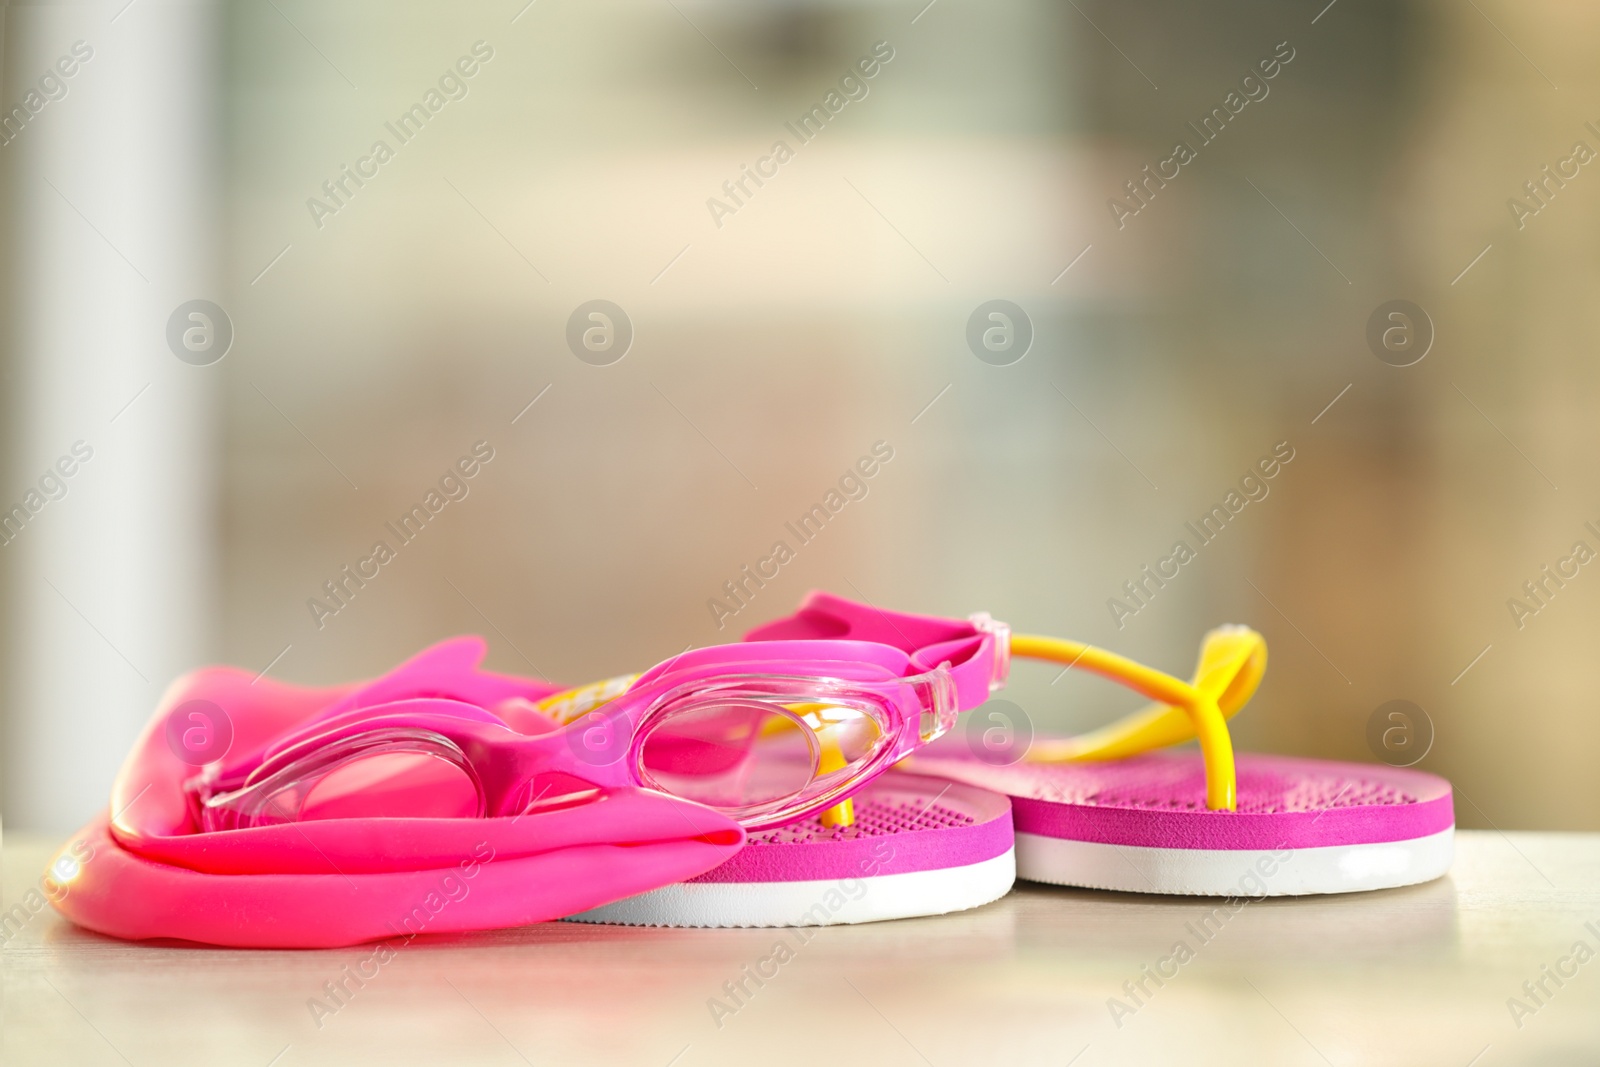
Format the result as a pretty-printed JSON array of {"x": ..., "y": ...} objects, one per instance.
[
  {"x": 1158, "y": 800},
  {"x": 903, "y": 823},
  {"x": 876, "y": 816}
]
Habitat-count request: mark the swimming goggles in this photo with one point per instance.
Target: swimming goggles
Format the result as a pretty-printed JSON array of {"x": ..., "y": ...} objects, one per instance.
[
  {"x": 1231, "y": 664},
  {"x": 764, "y": 732}
]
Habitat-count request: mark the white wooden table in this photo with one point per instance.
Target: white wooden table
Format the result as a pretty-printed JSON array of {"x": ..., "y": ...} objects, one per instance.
[{"x": 1412, "y": 976}]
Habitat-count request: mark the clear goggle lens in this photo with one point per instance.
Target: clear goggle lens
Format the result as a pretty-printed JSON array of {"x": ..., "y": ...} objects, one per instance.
[
  {"x": 387, "y": 773},
  {"x": 761, "y": 754}
]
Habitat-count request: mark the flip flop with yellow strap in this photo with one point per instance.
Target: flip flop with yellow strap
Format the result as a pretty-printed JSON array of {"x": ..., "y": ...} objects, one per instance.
[{"x": 1112, "y": 810}]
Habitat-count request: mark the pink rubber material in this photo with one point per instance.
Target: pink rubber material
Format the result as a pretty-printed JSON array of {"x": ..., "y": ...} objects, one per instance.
[
  {"x": 1158, "y": 800},
  {"x": 926, "y": 639},
  {"x": 119, "y": 893},
  {"x": 344, "y": 881},
  {"x": 904, "y": 823}
]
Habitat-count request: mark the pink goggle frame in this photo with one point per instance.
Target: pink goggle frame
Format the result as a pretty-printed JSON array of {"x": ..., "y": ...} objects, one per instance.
[{"x": 799, "y": 717}]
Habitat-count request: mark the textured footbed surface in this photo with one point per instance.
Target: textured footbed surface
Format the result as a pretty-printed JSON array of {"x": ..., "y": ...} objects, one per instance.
[
  {"x": 1158, "y": 800},
  {"x": 876, "y": 815},
  {"x": 904, "y": 822}
]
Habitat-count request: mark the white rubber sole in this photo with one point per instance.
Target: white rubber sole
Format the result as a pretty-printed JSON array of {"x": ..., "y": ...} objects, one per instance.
[
  {"x": 828, "y": 902},
  {"x": 1234, "y": 873}
]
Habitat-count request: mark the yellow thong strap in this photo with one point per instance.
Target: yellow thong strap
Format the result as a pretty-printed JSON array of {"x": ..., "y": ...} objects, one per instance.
[{"x": 1232, "y": 661}]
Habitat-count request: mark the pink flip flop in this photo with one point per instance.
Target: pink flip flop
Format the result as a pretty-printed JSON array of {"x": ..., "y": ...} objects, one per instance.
[
  {"x": 1110, "y": 810},
  {"x": 918, "y": 846},
  {"x": 1140, "y": 825}
]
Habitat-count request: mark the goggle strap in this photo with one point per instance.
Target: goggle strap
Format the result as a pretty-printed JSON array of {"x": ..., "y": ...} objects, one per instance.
[{"x": 929, "y": 640}]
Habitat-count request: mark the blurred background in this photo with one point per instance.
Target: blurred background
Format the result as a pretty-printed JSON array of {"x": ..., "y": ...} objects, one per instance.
[{"x": 373, "y": 315}]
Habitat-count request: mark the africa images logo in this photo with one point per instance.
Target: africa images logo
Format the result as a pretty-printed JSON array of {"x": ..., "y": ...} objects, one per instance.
[
  {"x": 1140, "y": 591},
  {"x": 342, "y": 588},
  {"x": 50, "y": 88},
  {"x": 1253, "y": 87},
  {"x": 852, "y": 87},
  {"x": 852, "y": 485},
  {"x": 452, "y": 85}
]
